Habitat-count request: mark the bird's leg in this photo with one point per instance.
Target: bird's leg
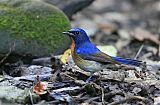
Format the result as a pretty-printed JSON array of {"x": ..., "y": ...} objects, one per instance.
[{"x": 90, "y": 78}]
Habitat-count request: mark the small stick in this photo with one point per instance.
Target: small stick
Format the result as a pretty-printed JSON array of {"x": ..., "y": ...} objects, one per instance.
[
  {"x": 159, "y": 49},
  {"x": 103, "y": 102},
  {"x": 138, "y": 98},
  {"x": 69, "y": 76},
  {"x": 140, "y": 49},
  {"x": 6, "y": 56},
  {"x": 31, "y": 98},
  {"x": 106, "y": 96}
]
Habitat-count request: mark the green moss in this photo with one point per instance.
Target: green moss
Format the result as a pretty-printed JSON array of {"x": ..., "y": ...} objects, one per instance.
[{"x": 45, "y": 27}]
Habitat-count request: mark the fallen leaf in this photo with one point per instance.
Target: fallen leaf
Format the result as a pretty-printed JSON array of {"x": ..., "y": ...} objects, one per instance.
[
  {"x": 40, "y": 87},
  {"x": 65, "y": 55},
  {"x": 110, "y": 50},
  {"x": 142, "y": 34}
]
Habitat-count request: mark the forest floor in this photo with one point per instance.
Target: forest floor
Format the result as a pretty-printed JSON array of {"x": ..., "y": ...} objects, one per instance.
[{"x": 125, "y": 28}]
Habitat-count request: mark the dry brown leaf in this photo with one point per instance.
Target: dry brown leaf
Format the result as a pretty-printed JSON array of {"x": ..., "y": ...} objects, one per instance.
[
  {"x": 142, "y": 34},
  {"x": 40, "y": 87}
]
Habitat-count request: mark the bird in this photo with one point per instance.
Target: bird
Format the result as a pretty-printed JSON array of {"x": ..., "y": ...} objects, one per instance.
[{"x": 88, "y": 57}]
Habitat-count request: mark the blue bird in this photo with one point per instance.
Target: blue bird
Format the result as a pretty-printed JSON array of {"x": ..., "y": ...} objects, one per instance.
[{"x": 88, "y": 57}]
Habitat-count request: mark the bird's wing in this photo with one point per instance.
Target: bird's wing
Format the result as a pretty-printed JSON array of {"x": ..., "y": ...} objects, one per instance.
[{"x": 99, "y": 57}]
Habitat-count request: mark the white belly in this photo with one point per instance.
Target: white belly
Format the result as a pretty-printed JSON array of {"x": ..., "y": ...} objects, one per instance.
[
  {"x": 89, "y": 66},
  {"x": 93, "y": 66}
]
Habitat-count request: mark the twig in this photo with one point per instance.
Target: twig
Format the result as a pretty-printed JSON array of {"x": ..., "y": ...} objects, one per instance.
[
  {"x": 158, "y": 52},
  {"x": 6, "y": 56},
  {"x": 42, "y": 102},
  {"x": 106, "y": 96},
  {"x": 31, "y": 98},
  {"x": 55, "y": 102},
  {"x": 69, "y": 76},
  {"x": 103, "y": 102},
  {"x": 111, "y": 94},
  {"x": 137, "y": 98},
  {"x": 66, "y": 89},
  {"x": 140, "y": 49},
  {"x": 92, "y": 99},
  {"x": 82, "y": 99},
  {"x": 33, "y": 77},
  {"x": 77, "y": 82}
]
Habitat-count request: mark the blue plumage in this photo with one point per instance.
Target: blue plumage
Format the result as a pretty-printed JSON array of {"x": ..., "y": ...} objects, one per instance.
[
  {"x": 127, "y": 61},
  {"x": 88, "y": 57},
  {"x": 86, "y": 49}
]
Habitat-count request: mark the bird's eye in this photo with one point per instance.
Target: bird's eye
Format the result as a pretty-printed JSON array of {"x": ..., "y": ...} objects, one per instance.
[{"x": 76, "y": 32}]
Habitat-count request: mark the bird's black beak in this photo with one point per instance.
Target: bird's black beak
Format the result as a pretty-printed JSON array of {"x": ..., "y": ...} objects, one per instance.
[{"x": 68, "y": 33}]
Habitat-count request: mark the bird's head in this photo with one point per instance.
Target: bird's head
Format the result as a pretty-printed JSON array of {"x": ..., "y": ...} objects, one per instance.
[{"x": 78, "y": 35}]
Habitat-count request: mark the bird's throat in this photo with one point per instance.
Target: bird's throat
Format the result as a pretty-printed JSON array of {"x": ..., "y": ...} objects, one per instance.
[{"x": 72, "y": 46}]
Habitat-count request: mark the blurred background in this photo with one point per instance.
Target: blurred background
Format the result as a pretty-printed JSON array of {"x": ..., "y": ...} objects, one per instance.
[{"x": 125, "y": 24}]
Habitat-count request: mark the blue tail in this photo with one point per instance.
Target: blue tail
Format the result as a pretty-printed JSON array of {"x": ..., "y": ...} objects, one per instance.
[{"x": 127, "y": 61}]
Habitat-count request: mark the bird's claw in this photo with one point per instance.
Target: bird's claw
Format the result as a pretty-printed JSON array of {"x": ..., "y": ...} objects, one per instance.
[{"x": 89, "y": 79}]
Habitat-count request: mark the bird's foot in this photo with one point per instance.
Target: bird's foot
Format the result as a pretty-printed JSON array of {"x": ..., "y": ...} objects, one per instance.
[{"x": 89, "y": 79}]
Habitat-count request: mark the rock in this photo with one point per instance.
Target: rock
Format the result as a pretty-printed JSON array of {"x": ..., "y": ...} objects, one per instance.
[
  {"x": 32, "y": 27},
  {"x": 12, "y": 94}
]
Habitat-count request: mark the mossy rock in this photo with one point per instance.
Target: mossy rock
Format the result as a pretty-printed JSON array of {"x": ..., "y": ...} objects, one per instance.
[{"x": 32, "y": 27}]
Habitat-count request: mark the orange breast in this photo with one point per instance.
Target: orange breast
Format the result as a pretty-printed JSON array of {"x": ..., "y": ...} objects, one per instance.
[
  {"x": 74, "y": 56},
  {"x": 72, "y": 46}
]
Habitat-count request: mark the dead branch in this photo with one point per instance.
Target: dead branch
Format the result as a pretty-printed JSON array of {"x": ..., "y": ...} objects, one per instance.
[
  {"x": 6, "y": 56},
  {"x": 132, "y": 98}
]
